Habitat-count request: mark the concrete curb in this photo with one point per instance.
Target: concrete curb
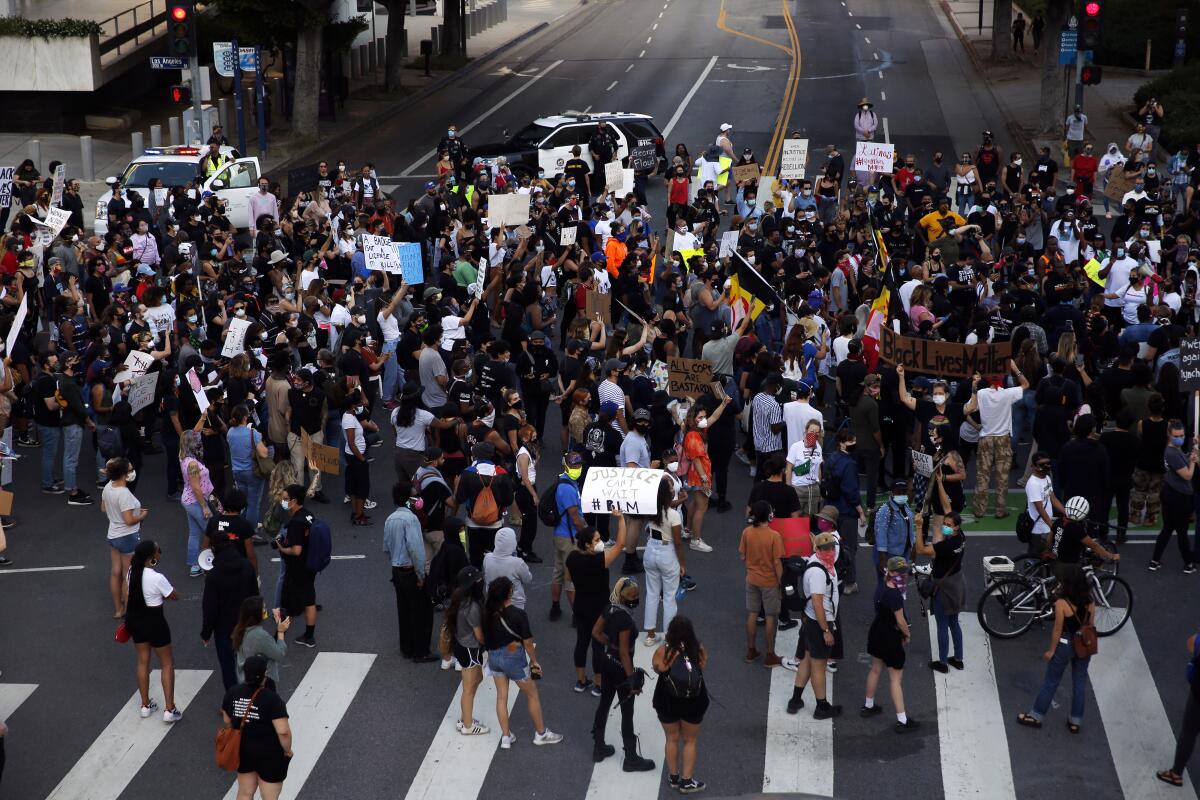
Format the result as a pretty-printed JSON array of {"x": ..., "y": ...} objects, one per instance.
[
  {"x": 1018, "y": 133},
  {"x": 409, "y": 101}
]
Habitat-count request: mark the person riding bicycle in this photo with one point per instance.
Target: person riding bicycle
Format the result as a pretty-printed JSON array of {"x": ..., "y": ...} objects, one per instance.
[{"x": 1069, "y": 536}]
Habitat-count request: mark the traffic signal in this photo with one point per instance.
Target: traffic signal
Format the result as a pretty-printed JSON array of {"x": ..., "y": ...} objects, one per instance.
[
  {"x": 1089, "y": 27},
  {"x": 181, "y": 29},
  {"x": 181, "y": 94},
  {"x": 1091, "y": 75}
]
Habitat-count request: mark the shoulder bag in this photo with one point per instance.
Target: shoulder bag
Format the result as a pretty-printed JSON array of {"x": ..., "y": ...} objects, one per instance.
[
  {"x": 229, "y": 740},
  {"x": 1085, "y": 641}
]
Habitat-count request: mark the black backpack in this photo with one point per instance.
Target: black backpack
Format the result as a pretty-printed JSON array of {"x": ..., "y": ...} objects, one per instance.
[
  {"x": 831, "y": 484},
  {"x": 683, "y": 679},
  {"x": 796, "y": 569},
  {"x": 547, "y": 509}
]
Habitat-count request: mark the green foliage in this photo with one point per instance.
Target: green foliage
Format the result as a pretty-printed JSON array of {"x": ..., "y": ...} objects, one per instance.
[
  {"x": 1179, "y": 93},
  {"x": 48, "y": 28},
  {"x": 270, "y": 23},
  {"x": 339, "y": 36}
]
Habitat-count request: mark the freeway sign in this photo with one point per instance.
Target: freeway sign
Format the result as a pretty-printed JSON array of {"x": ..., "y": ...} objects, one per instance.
[
  {"x": 167, "y": 62},
  {"x": 1068, "y": 41},
  {"x": 223, "y": 59}
]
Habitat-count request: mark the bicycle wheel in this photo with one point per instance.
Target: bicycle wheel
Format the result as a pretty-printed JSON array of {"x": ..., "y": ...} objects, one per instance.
[
  {"x": 1009, "y": 607},
  {"x": 1114, "y": 602},
  {"x": 1034, "y": 567}
]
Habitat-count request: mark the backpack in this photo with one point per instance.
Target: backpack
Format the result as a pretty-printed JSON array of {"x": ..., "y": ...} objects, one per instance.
[
  {"x": 485, "y": 510},
  {"x": 1085, "y": 641},
  {"x": 795, "y": 570},
  {"x": 685, "y": 463},
  {"x": 547, "y": 509},
  {"x": 319, "y": 550},
  {"x": 683, "y": 679},
  {"x": 108, "y": 441},
  {"x": 831, "y": 484}
]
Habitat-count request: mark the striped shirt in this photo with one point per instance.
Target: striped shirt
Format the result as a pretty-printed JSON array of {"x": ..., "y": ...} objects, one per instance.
[
  {"x": 608, "y": 391},
  {"x": 765, "y": 411}
]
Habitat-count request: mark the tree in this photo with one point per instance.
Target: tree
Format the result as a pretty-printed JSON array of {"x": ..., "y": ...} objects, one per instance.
[
  {"x": 1002, "y": 31},
  {"x": 1054, "y": 91},
  {"x": 396, "y": 36},
  {"x": 452, "y": 27}
]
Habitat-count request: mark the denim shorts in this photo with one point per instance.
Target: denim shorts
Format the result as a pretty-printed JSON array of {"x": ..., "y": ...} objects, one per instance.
[
  {"x": 514, "y": 666},
  {"x": 125, "y": 544}
]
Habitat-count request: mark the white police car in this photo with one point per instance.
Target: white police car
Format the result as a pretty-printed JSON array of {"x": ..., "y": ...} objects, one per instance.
[{"x": 175, "y": 166}]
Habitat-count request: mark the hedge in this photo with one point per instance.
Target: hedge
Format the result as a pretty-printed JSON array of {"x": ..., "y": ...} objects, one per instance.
[
  {"x": 1179, "y": 93},
  {"x": 48, "y": 28}
]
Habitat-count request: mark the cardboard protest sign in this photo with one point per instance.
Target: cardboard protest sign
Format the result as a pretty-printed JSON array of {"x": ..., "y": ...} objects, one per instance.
[
  {"x": 729, "y": 240},
  {"x": 193, "y": 381},
  {"x": 767, "y": 187},
  {"x": 60, "y": 182},
  {"x": 136, "y": 363},
  {"x": 141, "y": 391},
  {"x": 380, "y": 253},
  {"x": 235, "y": 340},
  {"x": 160, "y": 319},
  {"x": 617, "y": 179},
  {"x": 1189, "y": 365},
  {"x": 874, "y": 157},
  {"x": 643, "y": 156},
  {"x": 688, "y": 377},
  {"x": 56, "y": 220},
  {"x": 567, "y": 235},
  {"x": 325, "y": 457},
  {"x": 410, "y": 263},
  {"x": 746, "y": 172},
  {"x": 6, "y": 183},
  {"x": 1118, "y": 185},
  {"x": 18, "y": 322},
  {"x": 601, "y": 304},
  {"x": 794, "y": 159},
  {"x": 507, "y": 209},
  {"x": 944, "y": 359},
  {"x": 922, "y": 463},
  {"x": 630, "y": 491}
]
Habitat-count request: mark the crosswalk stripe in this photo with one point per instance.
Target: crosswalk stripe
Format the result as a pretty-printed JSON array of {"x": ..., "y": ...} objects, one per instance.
[
  {"x": 124, "y": 747},
  {"x": 1136, "y": 724},
  {"x": 314, "y": 711},
  {"x": 12, "y": 695},
  {"x": 973, "y": 744},
  {"x": 799, "y": 749},
  {"x": 455, "y": 765},
  {"x": 609, "y": 781}
]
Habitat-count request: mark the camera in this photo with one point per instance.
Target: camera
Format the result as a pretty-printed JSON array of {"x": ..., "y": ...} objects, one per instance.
[{"x": 274, "y": 544}]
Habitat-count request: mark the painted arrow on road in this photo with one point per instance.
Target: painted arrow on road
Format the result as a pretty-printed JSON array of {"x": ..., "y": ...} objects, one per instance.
[
  {"x": 528, "y": 73},
  {"x": 751, "y": 69}
]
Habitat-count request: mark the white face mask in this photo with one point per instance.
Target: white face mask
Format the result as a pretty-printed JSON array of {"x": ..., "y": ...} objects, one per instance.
[
  {"x": 702, "y": 423},
  {"x": 131, "y": 476},
  {"x": 489, "y": 419},
  {"x": 673, "y": 466},
  {"x": 284, "y": 505},
  {"x": 939, "y": 399},
  {"x": 241, "y": 312}
]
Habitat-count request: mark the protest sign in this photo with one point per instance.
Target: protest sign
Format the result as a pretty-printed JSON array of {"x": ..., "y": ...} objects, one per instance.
[
  {"x": 643, "y": 156},
  {"x": 6, "y": 182},
  {"x": 874, "y": 157},
  {"x": 688, "y": 377},
  {"x": 410, "y": 263},
  {"x": 601, "y": 304},
  {"x": 380, "y": 253},
  {"x": 922, "y": 463},
  {"x": 18, "y": 322},
  {"x": 630, "y": 491},
  {"x": 136, "y": 363},
  {"x": 325, "y": 457},
  {"x": 1118, "y": 185},
  {"x": 746, "y": 172},
  {"x": 617, "y": 179},
  {"x": 794, "y": 159},
  {"x": 303, "y": 179},
  {"x": 1189, "y": 365},
  {"x": 160, "y": 319},
  {"x": 141, "y": 391},
  {"x": 235, "y": 340},
  {"x": 729, "y": 240},
  {"x": 507, "y": 209},
  {"x": 197, "y": 388},
  {"x": 567, "y": 235},
  {"x": 56, "y": 219},
  {"x": 60, "y": 182},
  {"x": 767, "y": 187},
  {"x": 943, "y": 359}
]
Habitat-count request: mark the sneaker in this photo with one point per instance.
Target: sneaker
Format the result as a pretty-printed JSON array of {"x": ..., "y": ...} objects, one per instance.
[
  {"x": 685, "y": 534},
  {"x": 369, "y": 504},
  {"x": 651, "y": 639},
  {"x": 700, "y": 546},
  {"x": 788, "y": 624},
  {"x": 547, "y": 737},
  {"x": 172, "y": 715},
  {"x": 957, "y": 663},
  {"x": 870, "y": 711},
  {"x": 306, "y": 641},
  {"x": 1189, "y": 569},
  {"x": 55, "y": 489},
  {"x": 532, "y": 558},
  {"x": 477, "y": 728},
  {"x": 851, "y": 588},
  {"x": 346, "y": 500},
  {"x": 447, "y": 663},
  {"x": 691, "y": 786},
  {"x": 5, "y": 561},
  {"x": 1153, "y": 566},
  {"x": 555, "y": 612},
  {"x": 506, "y": 742},
  {"x": 906, "y": 727},
  {"x": 789, "y": 663},
  {"x": 145, "y": 711},
  {"x": 79, "y": 498},
  {"x": 595, "y": 690},
  {"x": 362, "y": 522},
  {"x": 827, "y": 711},
  {"x": 772, "y": 661},
  {"x": 831, "y": 666},
  {"x": 195, "y": 572},
  {"x": 27, "y": 441},
  {"x": 582, "y": 686},
  {"x": 939, "y": 666},
  {"x": 794, "y": 706},
  {"x": 673, "y": 781},
  {"x": 742, "y": 457},
  {"x": 760, "y": 620},
  {"x": 688, "y": 583}
]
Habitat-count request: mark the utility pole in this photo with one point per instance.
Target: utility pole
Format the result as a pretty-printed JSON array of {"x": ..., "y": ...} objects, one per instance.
[{"x": 238, "y": 104}]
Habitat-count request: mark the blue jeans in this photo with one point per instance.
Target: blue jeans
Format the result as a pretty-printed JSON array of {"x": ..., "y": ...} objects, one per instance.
[
  {"x": 196, "y": 525},
  {"x": 1022, "y": 416},
  {"x": 662, "y": 580},
  {"x": 49, "y": 436},
  {"x": 72, "y": 441},
  {"x": 391, "y": 370},
  {"x": 246, "y": 481},
  {"x": 947, "y": 626},
  {"x": 1064, "y": 654}
]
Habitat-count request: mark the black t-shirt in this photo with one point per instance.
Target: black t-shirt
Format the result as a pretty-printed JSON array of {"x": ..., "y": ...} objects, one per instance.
[
  {"x": 602, "y": 444},
  {"x": 307, "y": 410},
  {"x": 352, "y": 365},
  {"x": 1066, "y": 539},
  {"x": 296, "y": 533},
  {"x": 617, "y": 620},
  {"x": 230, "y": 526},
  {"x": 496, "y": 636},
  {"x": 780, "y": 495},
  {"x": 948, "y": 556},
  {"x": 590, "y": 576},
  {"x": 410, "y": 342},
  {"x": 927, "y": 410},
  {"x": 43, "y": 390},
  {"x": 258, "y": 734},
  {"x": 459, "y": 394},
  {"x": 851, "y": 374}
]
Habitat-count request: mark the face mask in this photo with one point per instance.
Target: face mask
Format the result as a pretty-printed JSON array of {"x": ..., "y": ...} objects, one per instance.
[
  {"x": 826, "y": 555},
  {"x": 1177, "y": 441},
  {"x": 751, "y": 202},
  {"x": 632, "y": 604},
  {"x": 574, "y": 472},
  {"x": 810, "y": 439},
  {"x": 939, "y": 399},
  {"x": 673, "y": 466},
  {"x": 489, "y": 419},
  {"x": 132, "y": 476},
  {"x": 901, "y": 499},
  {"x": 702, "y": 423},
  {"x": 947, "y": 530},
  {"x": 898, "y": 581},
  {"x": 359, "y": 319},
  {"x": 241, "y": 312},
  {"x": 1020, "y": 240},
  {"x": 284, "y": 505}
]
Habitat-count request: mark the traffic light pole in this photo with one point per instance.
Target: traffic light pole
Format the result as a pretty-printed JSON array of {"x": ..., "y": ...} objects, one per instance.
[
  {"x": 197, "y": 134},
  {"x": 1079, "y": 78},
  {"x": 238, "y": 104}
]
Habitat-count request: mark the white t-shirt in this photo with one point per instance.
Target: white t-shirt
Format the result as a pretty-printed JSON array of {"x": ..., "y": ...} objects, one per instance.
[
  {"x": 841, "y": 349},
  {"x": 1075, "y": 126},
  {"x": 817, "y": 581},
  {"x": 673, "y": 518},
  {"x": 1118, "y": 281},
  {"x": 389, "y": 326},
  {"x": 995, "y": 410},
  {"x": 155, "y": 587},
  {"x": 116, "y": 500},
  {"x": 350, "y": 421},
  {"x": 413, "y": 436},
  {"x": 532, "y": 464},
  {"x": 1131, "y": 298},
  {"x": 549, "y": 279},
  {"x": 452, "y": 331},
  {"x": 796, "y": 416},
  {"x": 906, "y": 293},
  {"x": 307, "y": 277},
  {"x": 1038, "y": 490},
  {"x": 806, "y": 464}
]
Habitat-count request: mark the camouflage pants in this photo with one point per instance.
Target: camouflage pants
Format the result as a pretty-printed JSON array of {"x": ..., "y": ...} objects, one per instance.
[
  {"x": 995, "y": 456},
  {"x": 1144, "y": 501}
]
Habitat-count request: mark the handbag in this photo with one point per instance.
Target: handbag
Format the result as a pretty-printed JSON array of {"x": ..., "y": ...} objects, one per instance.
[
  {"x": 229, "y": 740},
  {"x": 262, "y": 466},
  {"x": 1025, "y": 525},
  {"x": 927, "y": 587},
  {"x": 122, "y": 634},
  {"x": 1086, "y": 641}
]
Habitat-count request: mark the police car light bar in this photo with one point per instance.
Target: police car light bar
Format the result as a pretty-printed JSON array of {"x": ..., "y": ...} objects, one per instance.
[{"x": 152, "y": 152}]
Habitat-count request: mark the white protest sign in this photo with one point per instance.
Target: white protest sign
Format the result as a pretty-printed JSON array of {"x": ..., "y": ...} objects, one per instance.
[
  {"x": 160, "y": 197},
  {"x": 507, "y": 209},
  {"x": 922, "y": 463},
  {"x": 874, "y": 157},
  {"x": 56, "y": 219},
  {"x": 567, "y": 235},
  {"x": 160, "y": 319},
  {"x": 481, "y": 277},
  {"x": 197, "y": 389},
  {"x": 617, "y": 179},
  {"x": 18, "y": 321},
  {"x": 235, "y": 339},
  {"x": 631, "y": 491},
  {"x": 793, "y": 159},
  {"x": 141, "y": 391},
  {"x": 729, "y": 240},
  {"x": 380, "y": 253},
  {"x": 137, "y": 363},
  {"x": 60, "y": 181},
  {"x": 6, "y": 180}
]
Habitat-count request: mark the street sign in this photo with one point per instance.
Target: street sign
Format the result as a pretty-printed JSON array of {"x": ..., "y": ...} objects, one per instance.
[
  {"x": 249, "y": 59},
  {"x": 223, "y": 59},
  {"x": 1068, "y": 41},
  {"x": 168, "y": 62}
]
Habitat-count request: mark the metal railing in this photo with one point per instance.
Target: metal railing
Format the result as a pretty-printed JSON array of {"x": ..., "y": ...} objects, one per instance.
[{"x": 127, "y": 29}]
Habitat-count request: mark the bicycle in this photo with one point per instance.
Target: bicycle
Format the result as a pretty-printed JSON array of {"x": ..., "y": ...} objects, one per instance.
[{"x": 1012, "y": 603}]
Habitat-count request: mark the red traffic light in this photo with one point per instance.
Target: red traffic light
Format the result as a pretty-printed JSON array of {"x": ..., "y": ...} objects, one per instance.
[
  {"x": 1091, "y": 9},
  {"x": 1091, "y": 75},
  {"x": 181, "y": 94},
  {"x": 179, "y": 13}
]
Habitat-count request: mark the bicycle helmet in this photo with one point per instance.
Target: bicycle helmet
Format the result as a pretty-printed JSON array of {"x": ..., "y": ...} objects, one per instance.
[{"x": 1078, "y": 508}]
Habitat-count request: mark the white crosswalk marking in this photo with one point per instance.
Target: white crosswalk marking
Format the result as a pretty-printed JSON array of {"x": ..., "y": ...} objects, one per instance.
[
  {"x": 974, "y": 746},
  {"x": 1139, "y": 732},
  {"x": 455, "y": 765},
  {"x": 609, "y": 781},
  {"x": 12, "y": 695},
  {"x": 314, "y": 711},
  {"x": 799, "y": 751},
  {"x": 127, "y": 743}
]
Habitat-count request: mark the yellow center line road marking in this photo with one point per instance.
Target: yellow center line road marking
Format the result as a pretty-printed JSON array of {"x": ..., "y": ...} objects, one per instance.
[
  {"x": 723, "y": 26},
  {"x": 785, "y": 111}
]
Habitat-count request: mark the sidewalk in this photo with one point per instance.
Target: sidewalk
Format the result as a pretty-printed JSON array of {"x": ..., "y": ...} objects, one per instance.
[{"x": 367, "y": 104}]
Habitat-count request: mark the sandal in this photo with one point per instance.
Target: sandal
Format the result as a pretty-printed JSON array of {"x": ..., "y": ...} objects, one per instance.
[
  {"x": 1167, "y": 776},
  {"x": 1072, "y": 727},
  {"x": 1028, "y": 721}
]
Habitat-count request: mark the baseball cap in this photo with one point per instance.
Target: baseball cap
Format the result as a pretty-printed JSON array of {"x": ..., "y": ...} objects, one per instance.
[
  {"x": 897, "y": 564},
  {"x": 538, "y": 336},
  {"x": 308, "y": 374},
  {"x": 824, "y": 540},
  {"x": 609, "y": 407},
  {"x": 573, "y": 460},
  {"x": 432, "y": 292},
  {"x": 430, "y": 184},
  {"x": 469, "y": 576},
  {"x": 613, "y": 364},
  {"x": 725, "y": 126},
  {"x": 871, "y": 380},
  {"x": 899, "y": 486},
  {"x": 641, "y": 413}
]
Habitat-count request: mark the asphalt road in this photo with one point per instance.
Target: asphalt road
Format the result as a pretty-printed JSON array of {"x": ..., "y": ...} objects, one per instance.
[{"x": 58, "y": 636}]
